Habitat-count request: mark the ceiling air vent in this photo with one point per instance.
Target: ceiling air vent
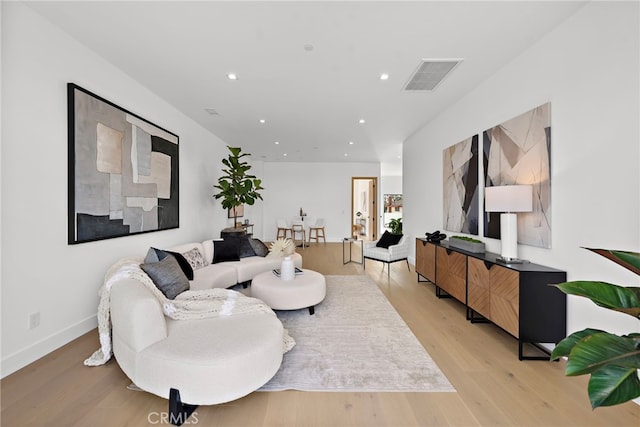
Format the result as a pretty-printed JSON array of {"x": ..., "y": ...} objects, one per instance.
[
  {"x": 212, "y": 111},
  {"x": 430, "y": 73}
]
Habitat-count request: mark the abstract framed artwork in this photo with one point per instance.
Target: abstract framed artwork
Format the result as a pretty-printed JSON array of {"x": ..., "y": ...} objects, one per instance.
[
  {"x": 518, "y": 152},
  {"x": 123, "y": 171},
  {"x": 460, "y": 186}
]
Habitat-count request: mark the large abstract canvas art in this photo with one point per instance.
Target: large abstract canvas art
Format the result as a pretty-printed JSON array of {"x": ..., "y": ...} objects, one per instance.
[
  {"x": 460, "y": 192},
  {"x": 123, "y": 171},
  {"x": 518, "y": 152}
]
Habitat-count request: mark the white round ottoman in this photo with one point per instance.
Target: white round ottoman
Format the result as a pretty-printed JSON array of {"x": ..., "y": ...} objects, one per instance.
[{"x": 305, "y": 291}]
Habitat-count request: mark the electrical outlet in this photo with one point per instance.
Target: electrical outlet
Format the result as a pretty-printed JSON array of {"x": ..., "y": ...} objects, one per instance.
[{"x": 34, "y": 320}]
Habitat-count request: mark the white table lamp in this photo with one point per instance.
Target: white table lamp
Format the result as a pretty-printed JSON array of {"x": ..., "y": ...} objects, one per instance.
[{"x": 509, "y": 199}]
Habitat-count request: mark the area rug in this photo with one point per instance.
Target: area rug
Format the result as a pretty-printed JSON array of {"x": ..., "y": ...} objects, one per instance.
[{"x": 355, "y": 341}]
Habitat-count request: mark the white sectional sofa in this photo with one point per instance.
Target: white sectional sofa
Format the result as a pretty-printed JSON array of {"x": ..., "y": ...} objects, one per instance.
[
  {"x": 229, "y": 273},
  {"x": 209, "y": 360}
]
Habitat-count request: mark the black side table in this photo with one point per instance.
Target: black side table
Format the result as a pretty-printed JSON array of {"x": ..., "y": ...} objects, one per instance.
[{"x": 350, "y": 241}]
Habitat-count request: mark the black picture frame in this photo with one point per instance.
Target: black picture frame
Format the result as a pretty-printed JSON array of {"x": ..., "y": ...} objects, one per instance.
[
  {"x": 238, "y": 210},
  {"x": 123, "y": 171}
]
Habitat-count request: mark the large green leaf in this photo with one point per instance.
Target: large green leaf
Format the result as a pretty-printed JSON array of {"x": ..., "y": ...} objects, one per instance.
[
  {"x": 629, "y": 260},
  {"x": 599, "y": 349},
  {"x": 612, "y": 385},
  {"x": 564, "y": 347},
  {"x": 613, "y": 297}
]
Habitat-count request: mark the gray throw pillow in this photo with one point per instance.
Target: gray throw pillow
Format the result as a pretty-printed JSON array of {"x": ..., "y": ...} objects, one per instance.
[
  {"x": 167, "y": 276},
  {"x": 155, "y": 255},
  {"x": 259, "y": 248}
]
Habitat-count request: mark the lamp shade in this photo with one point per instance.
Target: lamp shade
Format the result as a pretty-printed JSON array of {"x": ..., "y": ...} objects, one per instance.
[{"x": 508, "y": 198}]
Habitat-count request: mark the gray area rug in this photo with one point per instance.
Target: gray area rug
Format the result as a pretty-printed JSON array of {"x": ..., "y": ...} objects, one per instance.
[{"x": 355, "y": 341}]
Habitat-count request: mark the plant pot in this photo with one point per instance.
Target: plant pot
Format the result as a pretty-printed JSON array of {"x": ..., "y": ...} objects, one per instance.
[{"x": 465, "y": 245}]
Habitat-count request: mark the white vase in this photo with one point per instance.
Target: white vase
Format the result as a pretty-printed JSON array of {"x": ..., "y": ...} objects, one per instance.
[{"x": 287, "y": 269}]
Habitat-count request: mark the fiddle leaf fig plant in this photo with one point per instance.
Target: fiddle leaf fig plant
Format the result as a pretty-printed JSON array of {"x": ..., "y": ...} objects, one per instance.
[
  {"x": 612, "y": 360},
  {"x": 236, "y": 186}
]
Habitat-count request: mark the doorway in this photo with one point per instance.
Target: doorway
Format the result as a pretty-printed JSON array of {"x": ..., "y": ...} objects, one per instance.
[{"x": 364, "y": 211}]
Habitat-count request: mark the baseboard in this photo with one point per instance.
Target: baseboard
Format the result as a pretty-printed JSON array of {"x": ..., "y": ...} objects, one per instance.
[{"x": 35, "y": 351}]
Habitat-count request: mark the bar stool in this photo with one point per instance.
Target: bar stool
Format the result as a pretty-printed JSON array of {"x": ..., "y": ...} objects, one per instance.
[
  {"x": 297, "y": 227},
  {"x": 283, "y": 229},
  {"x": 316, "y": 231}
]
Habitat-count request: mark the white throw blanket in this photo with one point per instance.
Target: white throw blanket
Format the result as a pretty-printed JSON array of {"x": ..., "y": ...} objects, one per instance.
[{"x": 186, "y": 306}]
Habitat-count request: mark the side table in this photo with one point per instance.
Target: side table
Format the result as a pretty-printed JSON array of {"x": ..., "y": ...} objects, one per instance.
[{"x": 350, "y": 241}]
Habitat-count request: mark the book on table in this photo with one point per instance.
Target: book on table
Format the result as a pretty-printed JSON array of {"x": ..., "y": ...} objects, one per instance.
[{"x": 276, "y": 271}]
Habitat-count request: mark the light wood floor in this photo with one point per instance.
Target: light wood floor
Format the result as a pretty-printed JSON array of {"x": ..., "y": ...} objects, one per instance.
[{"x": 480, "y": 360}]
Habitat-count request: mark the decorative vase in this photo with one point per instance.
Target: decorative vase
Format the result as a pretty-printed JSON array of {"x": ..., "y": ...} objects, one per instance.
[{"x": 287, "y": 269}]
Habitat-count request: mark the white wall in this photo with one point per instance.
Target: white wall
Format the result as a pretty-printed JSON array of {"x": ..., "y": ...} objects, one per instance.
[
  {"x": 391, "y": 184},
  {"x": 40, "y": 272},
  {"x": 588, "y": 69},
  {"x": 322, "y": 190}
]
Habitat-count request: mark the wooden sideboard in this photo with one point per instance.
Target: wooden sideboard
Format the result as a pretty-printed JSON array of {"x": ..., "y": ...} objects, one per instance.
[{"x": 515, "y": 297}]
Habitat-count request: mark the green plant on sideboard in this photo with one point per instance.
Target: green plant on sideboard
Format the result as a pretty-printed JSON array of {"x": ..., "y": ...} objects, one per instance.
[
  {"x": 236, "y": 186},
  {"x": 465, "y": 238},
  {"x": 612, "y": 360}
]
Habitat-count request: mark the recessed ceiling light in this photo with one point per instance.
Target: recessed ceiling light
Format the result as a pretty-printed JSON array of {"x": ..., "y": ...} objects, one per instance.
[
  {"x": 384, "y": 76},
  {"x": 345, "y": 154},
  {"x": 308, "y": 47},
  {"x": 277, "y": 142},
  {"x": 285, "y": 154},
  {"x": 262, "y": 121},
  {"x": 350, "y": 142},
  {"x": 361, "y": 121},
  {"x": 232, "y": 76}
]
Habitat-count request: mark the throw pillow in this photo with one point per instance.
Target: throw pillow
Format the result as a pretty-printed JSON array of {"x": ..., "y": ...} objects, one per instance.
[
  {"x": 225, "y": 250},
  {"x": 155, "y": 255},
  {"x": 259, "y": 248},
  {"x": 244, "y": 247},
  {"x": 195, "y": 259},
  {"x": 388, "y": 239},
  {"x": 167, "y": 276}
]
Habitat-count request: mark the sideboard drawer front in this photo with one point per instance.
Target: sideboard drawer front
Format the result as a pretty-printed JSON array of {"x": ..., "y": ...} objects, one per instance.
[
  {"x": 451, "y": 274},
  {"x": 426, "y": 260},
  {"x": 478, "y": 290},
  {"x": 504, "y": 313},
  {"x": 505, "y": 283}
]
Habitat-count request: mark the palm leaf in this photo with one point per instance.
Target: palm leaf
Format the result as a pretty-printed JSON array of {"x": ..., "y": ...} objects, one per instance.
[
  {"x": 629, "y": 260},
  {"x": 599, "y": 349},
  {"x": 612, "y": 385},
  {"x": 564, "y": 347},
  {"x": 607, "y": 295}
]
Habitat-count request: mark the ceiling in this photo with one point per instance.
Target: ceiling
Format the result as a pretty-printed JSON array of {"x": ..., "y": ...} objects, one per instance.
[{"x": 311, "y": 70}]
